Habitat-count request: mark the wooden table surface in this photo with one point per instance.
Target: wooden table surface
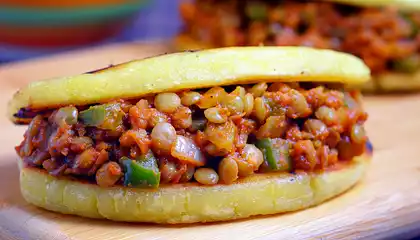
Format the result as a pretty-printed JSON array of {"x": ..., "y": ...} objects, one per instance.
[{"x": 386, "y": 204}]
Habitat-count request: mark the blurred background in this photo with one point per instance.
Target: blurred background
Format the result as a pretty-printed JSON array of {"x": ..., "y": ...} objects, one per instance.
[{"x": 33, "y": 28}]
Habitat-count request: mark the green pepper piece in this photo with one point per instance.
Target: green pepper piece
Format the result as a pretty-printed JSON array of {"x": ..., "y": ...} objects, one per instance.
[
  {"x": 276, "y": 153},
  {"x": 105, "y": 116},
  {"x": 256, "y": 11},
  {"x": 67, "y": 115},
  {"x": 142, "y": 172},
  {"x": 407, "y": 65}
]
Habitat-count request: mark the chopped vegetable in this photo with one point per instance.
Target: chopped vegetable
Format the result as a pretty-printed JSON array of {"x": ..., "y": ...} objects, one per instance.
[
  {"x": 253, "y": 156},
  {"x": 79, "y": 144},
  {"x": 171, "y": 171},
  {"x": 222, "y": 135},
  {"x": 299, "y": 107},
  {"x": 105, "y": 116},
  {"x": 142, "y": 172},
  {"x": 256, "y": 11},
  {"x": 136, "y": 137},
  {"x": 185, "y": 150},
  {"x": 304, "y": 155},
  {"x": 212, "y": 97},
  {"x": 276, "y": 153},
  {"x": 317, "y": 128},
  {"x": 66, "y": 114},
  {"x": 274, "y": 127},
  {"x": 181, "y": 118},
  {"x": 108, "y": 174},
  {"x": 327, "y": 115}
]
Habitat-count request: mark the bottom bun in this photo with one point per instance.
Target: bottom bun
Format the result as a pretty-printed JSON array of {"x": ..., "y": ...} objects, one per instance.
[{"x": 260, "y": 194}]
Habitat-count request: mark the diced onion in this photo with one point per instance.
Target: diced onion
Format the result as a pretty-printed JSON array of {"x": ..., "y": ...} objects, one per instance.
[
  {"x": 253, "y": 156},
  {"x": 221, "y": 135},
  {"x": 108, "y": 174},
  {"x": 211, "y": 98},
  {"x": 187, "y": 151},
  {"x": 317, "y": 128},
  {"x": 274, "y": 127},
  {"x": 327, "y": 115}
]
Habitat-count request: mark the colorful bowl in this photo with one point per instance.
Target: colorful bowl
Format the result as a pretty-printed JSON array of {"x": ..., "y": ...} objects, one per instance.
[{"x": 68, "y": 23}]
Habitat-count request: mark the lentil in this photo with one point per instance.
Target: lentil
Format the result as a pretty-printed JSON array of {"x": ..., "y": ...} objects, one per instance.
[{"x": 206, "y": 176}]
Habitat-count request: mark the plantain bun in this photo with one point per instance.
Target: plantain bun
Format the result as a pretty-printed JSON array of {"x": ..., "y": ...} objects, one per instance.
[{"x": 260, "y": 194}]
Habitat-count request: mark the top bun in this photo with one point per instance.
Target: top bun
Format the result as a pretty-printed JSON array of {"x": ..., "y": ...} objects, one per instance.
[{"x": 191, "y": 70}]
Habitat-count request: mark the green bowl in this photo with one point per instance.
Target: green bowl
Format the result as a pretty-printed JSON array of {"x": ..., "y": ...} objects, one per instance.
[{"x": 65, "y": 26}]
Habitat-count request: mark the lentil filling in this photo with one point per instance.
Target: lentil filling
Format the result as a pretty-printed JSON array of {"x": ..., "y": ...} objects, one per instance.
[
  {"x": 385, "y": 38},
  {"x": 210, "y": 136}
]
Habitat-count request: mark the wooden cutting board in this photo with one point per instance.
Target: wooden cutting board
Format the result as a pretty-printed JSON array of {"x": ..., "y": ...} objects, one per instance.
[{"x": 386, "y": 204}]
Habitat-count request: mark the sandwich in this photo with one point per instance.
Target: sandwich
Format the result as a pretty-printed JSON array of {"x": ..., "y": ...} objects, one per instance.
[
  {"x": 383, "y": 33},
  {"x": 197, "y": 136}
]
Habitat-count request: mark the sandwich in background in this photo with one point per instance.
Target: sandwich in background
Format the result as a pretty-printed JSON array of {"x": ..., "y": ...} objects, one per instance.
[{"x": 383, "y": 33}]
